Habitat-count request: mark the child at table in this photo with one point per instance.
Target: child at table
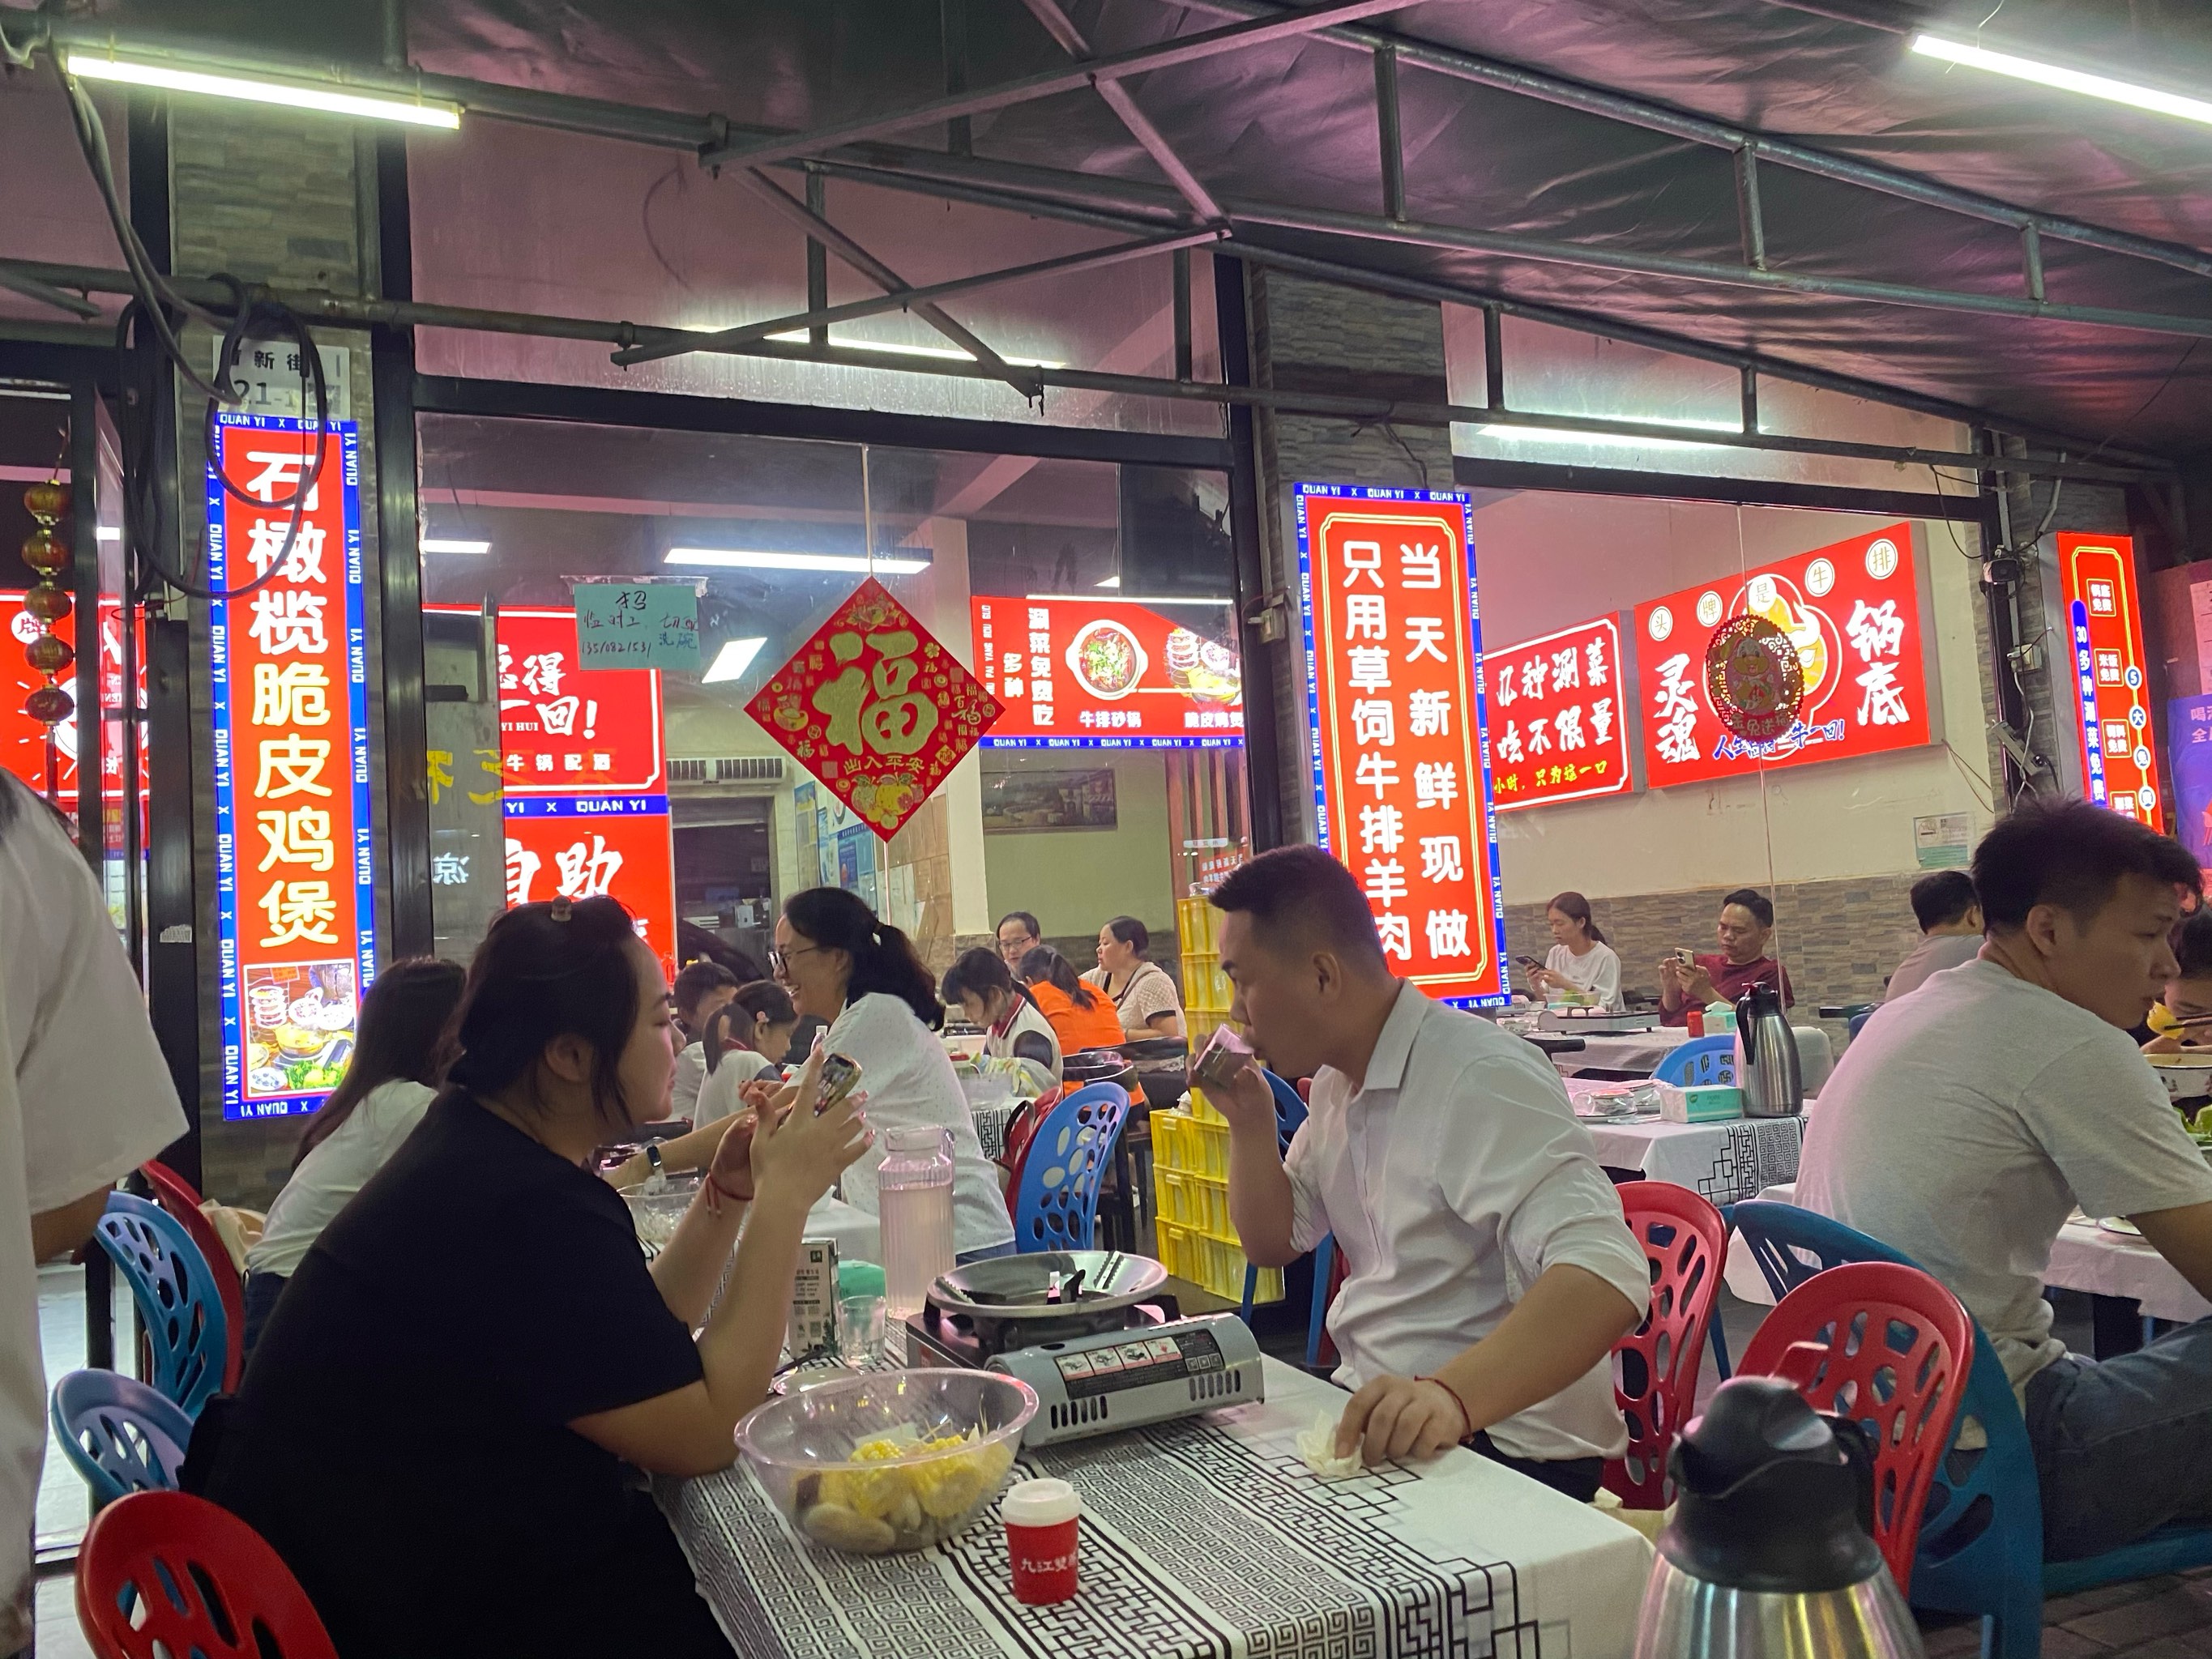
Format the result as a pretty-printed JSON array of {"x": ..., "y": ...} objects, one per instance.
[{"x": 1490, "y": 1271}]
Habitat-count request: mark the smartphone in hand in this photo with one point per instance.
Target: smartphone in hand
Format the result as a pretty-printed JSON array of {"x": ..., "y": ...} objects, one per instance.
[{"x": 840, "y": 1077}]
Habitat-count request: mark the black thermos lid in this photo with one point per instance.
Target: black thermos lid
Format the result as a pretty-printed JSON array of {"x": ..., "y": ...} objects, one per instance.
[{"x": 1767, "y": 1498}]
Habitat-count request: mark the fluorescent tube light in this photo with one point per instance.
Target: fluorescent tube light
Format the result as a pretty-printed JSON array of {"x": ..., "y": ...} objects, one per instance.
[
  {"x": 733, "y": 558},
  {"x": 799, "y": 336},
  {"x": 443, "y": 544},
  {"x": 1513, "y": 431},
  {"x": 1128, "y": 598},
  {"x": 1111, "y": 581},
  {"x": 369, "y": 106},
  {"x": 2065, "y": 80},
  {"x": 108, "y": 533},
  {"x": 731, "y": 660}
]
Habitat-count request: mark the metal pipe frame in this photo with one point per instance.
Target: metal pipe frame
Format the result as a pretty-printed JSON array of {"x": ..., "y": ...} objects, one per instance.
[
  {"x": 1051, "y": 192},
  {"x": 911, "y": 299},
  {"x": 346, "y": 310}
]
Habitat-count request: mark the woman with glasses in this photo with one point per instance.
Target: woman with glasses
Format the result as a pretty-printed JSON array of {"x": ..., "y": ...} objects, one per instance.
[{"x": 840, "y": 963}]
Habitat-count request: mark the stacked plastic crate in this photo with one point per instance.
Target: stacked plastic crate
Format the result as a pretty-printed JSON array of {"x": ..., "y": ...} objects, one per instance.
[{"x": 1190, "y": 1144}]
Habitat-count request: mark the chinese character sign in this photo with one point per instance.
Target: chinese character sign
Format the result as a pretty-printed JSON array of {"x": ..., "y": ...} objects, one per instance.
[
  {"x": 588, "y": 846},
  {"x": 2188, "y": 746},
  {"x": 562, "y": 730},
  {"x": 875, "y": 708},
  {"x": 638, "y": 625},
  {"x": 2097, "y": 578},
  {"x": 294, "y": 882},
  {"x": 1558, "y": 717},
  {"x": 1401, "y": 781},
  {"x": 1100, "y": 673},
  {"x": 1851, "y": 610}
]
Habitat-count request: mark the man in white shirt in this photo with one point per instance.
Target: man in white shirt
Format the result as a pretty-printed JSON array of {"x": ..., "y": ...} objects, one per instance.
[
  {"x": 1950, "y": 919},
  {"x": 1970, "y": 1118},
  {"x": 85, "y": 1098},
  {"x": 702, "y": 987},
  {"x": 1490, "y": 1270}
]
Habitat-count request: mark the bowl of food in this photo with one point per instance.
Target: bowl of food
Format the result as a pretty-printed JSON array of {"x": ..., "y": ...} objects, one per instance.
[
  {"x": 656, "y": 1206},
  {"x": 1106, "y": 658},
  {"x": 883, "y": 1461},
  {"x": 2187, "y": 1075}
]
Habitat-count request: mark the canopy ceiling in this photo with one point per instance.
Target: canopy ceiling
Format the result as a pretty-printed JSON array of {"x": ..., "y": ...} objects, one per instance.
[{"x": 1291, "y": 125}]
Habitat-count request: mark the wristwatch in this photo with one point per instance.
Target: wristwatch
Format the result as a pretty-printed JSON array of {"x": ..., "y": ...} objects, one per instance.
[{"x": 652, "y": 1156}]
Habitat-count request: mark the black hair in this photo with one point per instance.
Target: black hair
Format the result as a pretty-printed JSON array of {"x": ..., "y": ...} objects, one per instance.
[
  {"x": 1942, "y": 898},
  {"x": 761, "y": 999},
  {"x": 1576, "y": 907},
  {"x": 976, "y": 974},
  {"x": 2071, "y": 855},
  {"x": 1760, "y": 906},
  {"x": 1036, "y": 928},
  {"x": 884, "y": 959},
  {"x": 544, "y": 971},
  {"x": 695, "y": 980},
  {"x": 1301, "y": 886},
  {"x": 1041, "y": 962},
  {"x": 401, "y": 1034},
  {"x": 2193, "y": 944},
  {"x": 1131, "y": 933}
]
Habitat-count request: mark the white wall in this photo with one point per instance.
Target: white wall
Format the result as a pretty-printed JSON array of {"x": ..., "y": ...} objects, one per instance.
[{"x": 1545, "y": 559}]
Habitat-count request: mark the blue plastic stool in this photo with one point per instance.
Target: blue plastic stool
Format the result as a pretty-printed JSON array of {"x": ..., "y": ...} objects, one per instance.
[
  {"x": 1700, "y": 1061},
  {"x": 1058, "y": 1206},
  {"x": 1981, "y": 1544},
  {"x": 178, "y": 1300},
  {"x": 121, "y": 1436},
  {"x": 1857, "y": 1021}
]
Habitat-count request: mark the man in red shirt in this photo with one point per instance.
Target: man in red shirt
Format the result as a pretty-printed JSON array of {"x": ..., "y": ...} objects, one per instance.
[{"x": 1746, "y": 924}]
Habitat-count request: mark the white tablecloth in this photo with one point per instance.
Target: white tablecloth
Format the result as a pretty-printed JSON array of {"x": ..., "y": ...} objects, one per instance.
[
  {"x": 1641, "y": 1051},
  {"x": 2085, "y": 1257},
  {"x": 991, "y": 1125},
  {"x": 1203, "y": 1537},
  {"x": 1722, "y": 1162}
]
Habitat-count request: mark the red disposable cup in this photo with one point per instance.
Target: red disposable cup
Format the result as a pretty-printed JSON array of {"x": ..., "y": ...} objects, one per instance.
[
  {"x": 1041, "y": 1519},
  {"x": 1696, "y": 1021}
]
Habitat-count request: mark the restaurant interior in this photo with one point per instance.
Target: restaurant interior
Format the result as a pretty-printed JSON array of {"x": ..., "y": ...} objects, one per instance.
[{"x": 1063, "y": 375}]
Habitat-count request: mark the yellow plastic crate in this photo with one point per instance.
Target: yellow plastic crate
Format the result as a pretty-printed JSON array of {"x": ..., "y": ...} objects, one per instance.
[
  {"x": 1177, "y": 1197},
  {"x": 1203, "y": 1109},
  {"x": 1206, "y": 988},
  {"x": 1197, "y": 924},
  {"x": 1208, "y": 1144},
  {"x": 1214, "y": 1266}
]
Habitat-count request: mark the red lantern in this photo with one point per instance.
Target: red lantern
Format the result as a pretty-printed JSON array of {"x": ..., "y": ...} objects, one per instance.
[{"x": 48, "y": 602}]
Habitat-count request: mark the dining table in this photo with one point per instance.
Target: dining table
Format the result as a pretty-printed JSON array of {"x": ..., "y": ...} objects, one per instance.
[
  {"x": 1720, "y": 1161},
  {"x": 1640, "y": 1052},
  {"x": 1205, "y": 1536}
]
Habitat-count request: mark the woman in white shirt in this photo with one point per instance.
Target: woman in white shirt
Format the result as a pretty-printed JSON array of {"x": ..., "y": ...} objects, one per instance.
[
  {"x": 1580, "y": 963},
  {"x": 862, "y": 975},
  {"x": 396, "y": 1058},
  {"x": 1015, "y": 1034}
]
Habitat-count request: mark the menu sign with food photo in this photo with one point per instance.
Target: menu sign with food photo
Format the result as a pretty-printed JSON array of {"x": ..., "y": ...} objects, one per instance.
[
  {"x": 2112, "y": 690},
  {"x": 295, "y": 892},
  {"x": 1400, "y": 770},
  {"x": 1104, "y": 674},
  {"x": 562, "y": 729},
  {"x": 1852, "y": 612},
  {"x": 1558, "y": 717}
]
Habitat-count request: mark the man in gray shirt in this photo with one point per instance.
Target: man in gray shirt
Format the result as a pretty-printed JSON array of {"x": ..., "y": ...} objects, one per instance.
[
  {"x": 1950, "y": 918},
  {"x": 1970, "y": 1118}
]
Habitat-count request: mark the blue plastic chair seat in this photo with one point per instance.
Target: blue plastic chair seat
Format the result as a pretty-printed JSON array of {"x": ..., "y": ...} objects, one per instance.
[
  {"x": 1981, "y": 1544},
  {"x": 1057, "y": 1208},
  {"x": 179, "y": 1302},
  {"x": 121, "y": 1436},
  {"x": 1700, "y": 1062}
]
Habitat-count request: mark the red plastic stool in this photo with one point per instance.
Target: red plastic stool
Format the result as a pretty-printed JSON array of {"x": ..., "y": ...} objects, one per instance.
[{"x": 164, "y": 1572}]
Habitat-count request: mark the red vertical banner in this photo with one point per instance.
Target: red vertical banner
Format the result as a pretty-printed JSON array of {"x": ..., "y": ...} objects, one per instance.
[
  {"x": 562, "y": 730},
  {"x": 295, "y": 882},
  {"x": 2111, "y": 688},
  {"x": 586, "y": 845},
  {"x": 1560, "y": 717},
  {"x": 1401, "y": 766}
]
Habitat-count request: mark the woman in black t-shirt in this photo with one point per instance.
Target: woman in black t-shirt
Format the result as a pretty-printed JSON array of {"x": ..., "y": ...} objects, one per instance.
[{"x": 441, "y": 1429}]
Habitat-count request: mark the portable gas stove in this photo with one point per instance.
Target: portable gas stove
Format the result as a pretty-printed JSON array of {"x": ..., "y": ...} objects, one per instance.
[{"x": 1095, "y": 1334}]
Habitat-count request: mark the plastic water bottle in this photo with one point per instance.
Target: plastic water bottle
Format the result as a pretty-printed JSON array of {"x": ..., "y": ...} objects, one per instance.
[{"x": 914, "y": 1196}]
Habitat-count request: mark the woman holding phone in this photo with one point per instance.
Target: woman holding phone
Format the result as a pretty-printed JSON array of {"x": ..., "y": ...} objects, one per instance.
[{"x": 1580, "y": 963}]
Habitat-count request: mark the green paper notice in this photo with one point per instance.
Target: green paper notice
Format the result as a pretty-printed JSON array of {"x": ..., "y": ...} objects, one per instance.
[{"x": 637, "y": 625}]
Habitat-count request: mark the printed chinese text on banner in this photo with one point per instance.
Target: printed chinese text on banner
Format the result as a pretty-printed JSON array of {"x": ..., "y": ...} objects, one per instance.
[
  {"x": 874, "y": 707},
  {"x": 1103, "y": 673},
  {"x": 1401, "y": 775},
  {"x": 295, "y": 892},
  {"x": 586, "y": 845},
  {"x": 1558, "y": 717},
  {"x": 2189, "y": 744},
  {"x": 561, "y": 730},
  {"x": 2097, "y": 579},
  {"x": 1853, "y": 611}
]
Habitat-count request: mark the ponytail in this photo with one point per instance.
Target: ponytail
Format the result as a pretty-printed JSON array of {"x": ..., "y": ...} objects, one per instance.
[
  {"x": 1043, "y": 963},
  {"x": 885, "y": 961}
]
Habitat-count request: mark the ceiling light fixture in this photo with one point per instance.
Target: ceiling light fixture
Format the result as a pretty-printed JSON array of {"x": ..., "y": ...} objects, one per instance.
[
  {"x": 330, "y": 100},
  {"x": 799, "y": 336},
  {"x": 1514, "y": 431},
  {"x": 731, "y": 660},
  {"x": 1111, "y": 581},
  {"x": 734, "y": 558},
  {"x": 443, "y": 544},
  {"x": 2065, "y": 80}
]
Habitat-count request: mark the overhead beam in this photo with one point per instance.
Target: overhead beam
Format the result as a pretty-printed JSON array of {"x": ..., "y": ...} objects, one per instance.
[
  {"x": 352, "y": 310},
  {"x": 911, "y": 299},
  {"x": 75, "y": 304},
  {"x": 1653, "y": 117},
  {"x": 1170, "y": 54},
  {"x": 1119, "y": 99},
  {"x": 1023, "y": 380}
]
